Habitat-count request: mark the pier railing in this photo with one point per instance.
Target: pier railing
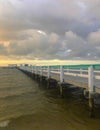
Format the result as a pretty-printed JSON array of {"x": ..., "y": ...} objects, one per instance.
[{"x": 86, "y": 76}]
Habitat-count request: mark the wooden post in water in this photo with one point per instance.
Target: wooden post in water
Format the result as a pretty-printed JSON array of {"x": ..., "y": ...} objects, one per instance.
[
  {"x": 61, "y": 80},
  {"x": 91, "y": 90}
]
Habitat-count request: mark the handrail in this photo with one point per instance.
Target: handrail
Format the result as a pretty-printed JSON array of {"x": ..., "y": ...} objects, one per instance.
[
  {"x": 81, "y": 66},
  {"x": 56, "y": 69}
]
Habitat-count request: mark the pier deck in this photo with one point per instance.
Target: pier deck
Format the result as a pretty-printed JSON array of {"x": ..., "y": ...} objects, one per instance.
[
  {"x": 80, "y": 81},
  {"x": 77, "y": 75}
]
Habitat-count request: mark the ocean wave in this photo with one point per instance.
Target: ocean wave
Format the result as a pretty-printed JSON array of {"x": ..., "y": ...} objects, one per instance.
[
  {"x": 2, "y": 88},
  {"x": 4, "y": 123},
  {"x": 10, "y": 96}
]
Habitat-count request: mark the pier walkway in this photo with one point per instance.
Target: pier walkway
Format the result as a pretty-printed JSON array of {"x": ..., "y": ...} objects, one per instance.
[{"x": 85, "y": 76}]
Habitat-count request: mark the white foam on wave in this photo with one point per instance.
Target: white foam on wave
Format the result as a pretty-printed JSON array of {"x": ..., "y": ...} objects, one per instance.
[{"x": 4, "y": 123}]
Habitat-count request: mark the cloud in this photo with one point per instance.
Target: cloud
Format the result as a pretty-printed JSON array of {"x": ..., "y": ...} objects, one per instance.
[
  {"x": 2, "y": 50},
  {"x": 94, "y": 41},
  {"x": 37, "y": 44},
  {"x": 93, "y": 9},
  {"x": 50, "y": 29},
  {"x": 94, "y": 38},
  {"x": 59, "y": 17}
]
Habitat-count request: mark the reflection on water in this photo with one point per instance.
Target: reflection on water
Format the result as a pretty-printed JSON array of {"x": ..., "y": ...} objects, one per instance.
[{"x": 25, "y": 106}]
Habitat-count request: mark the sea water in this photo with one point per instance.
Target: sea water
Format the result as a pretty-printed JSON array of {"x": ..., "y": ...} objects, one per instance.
[{"x": 26, "y": 106}]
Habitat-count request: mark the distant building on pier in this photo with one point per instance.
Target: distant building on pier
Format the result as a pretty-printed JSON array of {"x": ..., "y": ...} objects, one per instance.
[{"x": 12, "y": 65}]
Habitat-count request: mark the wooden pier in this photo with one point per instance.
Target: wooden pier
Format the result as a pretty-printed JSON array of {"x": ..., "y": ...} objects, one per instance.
[{"x": 84, "y": 76}]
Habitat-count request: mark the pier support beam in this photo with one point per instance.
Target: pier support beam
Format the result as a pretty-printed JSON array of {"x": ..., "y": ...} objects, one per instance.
[
  {"x": 61, "y": 88},
  {"x": 91, "y": 89},
  {"x": 51, "y": 83},
  {"x": 91, "y": 105},
  {"x": 48, "y": 83}
]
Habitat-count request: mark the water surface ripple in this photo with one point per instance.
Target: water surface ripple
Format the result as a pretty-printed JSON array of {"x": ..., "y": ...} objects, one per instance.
[{"x": 25, "y": 106}]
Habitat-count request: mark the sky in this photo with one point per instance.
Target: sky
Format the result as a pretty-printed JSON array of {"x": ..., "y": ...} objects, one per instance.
[{"x": 43, "y": 31}]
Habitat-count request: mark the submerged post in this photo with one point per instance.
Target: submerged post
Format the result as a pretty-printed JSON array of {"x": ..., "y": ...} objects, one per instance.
[{"x": 91, "y": 90}]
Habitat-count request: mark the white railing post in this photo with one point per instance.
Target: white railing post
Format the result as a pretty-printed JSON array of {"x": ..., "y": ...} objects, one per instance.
[
  {"x": 35, "y": 70},
  {"x": 61, "y": 74},
  {"x": 26, "y": 68},
  {"x": 91, "y": 79},
  {"x": 91, "y": 90},
  {"x": 48, "y": 72},
  {"x": 41, "y": 71},
  {"x": 29, "y": 68},
  {"x": 81, "y": 71},
  {"x": 67, "y": 70},
  {"x": 32, "y": 69}
]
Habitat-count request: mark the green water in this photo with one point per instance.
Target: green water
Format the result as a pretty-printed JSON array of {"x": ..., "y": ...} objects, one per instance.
[{"x": 25, "y": 106}]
